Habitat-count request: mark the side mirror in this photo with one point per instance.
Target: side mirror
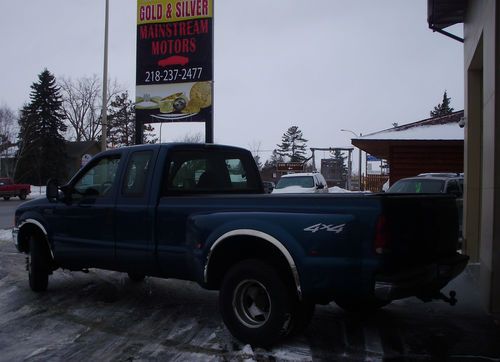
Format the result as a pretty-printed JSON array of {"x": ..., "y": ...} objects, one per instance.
[
  {"x": 320, "y": 186},
  {"x": 52, "y": 190}
]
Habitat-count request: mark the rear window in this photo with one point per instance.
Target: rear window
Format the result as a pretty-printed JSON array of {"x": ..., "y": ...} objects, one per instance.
[
  {"x": 418, "y": 186},
  {"x": 192, "y": 172},
  {"x": 300, "y": 181}
]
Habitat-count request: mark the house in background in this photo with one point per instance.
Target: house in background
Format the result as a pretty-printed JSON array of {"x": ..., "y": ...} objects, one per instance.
[
  {"x": 78, "y": 153},
  {"x": 430, "y": 145}
]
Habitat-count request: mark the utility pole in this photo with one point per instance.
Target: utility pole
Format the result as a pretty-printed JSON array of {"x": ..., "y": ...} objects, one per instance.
[
  {"x": 361, "y": 188},
  {"x": 104, "y": 112}
]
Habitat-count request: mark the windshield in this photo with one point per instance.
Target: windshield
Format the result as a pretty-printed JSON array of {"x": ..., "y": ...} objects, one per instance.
[
  {"x": 300, "y": 181},
  {"x": 418, "y": 186}
]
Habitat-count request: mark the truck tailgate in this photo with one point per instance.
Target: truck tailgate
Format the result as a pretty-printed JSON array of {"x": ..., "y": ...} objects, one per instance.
[{"x": 421, "y": 228}]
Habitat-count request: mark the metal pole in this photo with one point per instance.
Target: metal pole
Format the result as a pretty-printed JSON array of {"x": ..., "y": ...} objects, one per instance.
[
  {"x": 360, "y": 157},
  {"x": 361, "y": 187},
  {"x": 104, "y": 113}
]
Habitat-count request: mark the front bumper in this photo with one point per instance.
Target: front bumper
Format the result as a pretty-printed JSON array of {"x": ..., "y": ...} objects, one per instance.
[
  {"x": 422, "y": 281},
  {"x": 15, "y": 233}
]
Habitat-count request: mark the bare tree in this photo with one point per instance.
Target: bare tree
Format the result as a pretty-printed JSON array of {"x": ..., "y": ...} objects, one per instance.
[
  {"x": 7, "y": 128},
  {"x": 255, "y": 149},
  {"x": 82, "y": 104},
  {"x": 191, "y": 138},
  {"x": 7, "y": 138}
]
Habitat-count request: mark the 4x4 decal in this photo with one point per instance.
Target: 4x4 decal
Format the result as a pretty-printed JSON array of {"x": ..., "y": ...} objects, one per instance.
[{"x": 323, "y": 227}]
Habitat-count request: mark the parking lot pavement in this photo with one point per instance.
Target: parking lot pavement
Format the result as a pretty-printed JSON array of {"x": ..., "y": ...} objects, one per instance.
[{"x": 103, "y": 316}]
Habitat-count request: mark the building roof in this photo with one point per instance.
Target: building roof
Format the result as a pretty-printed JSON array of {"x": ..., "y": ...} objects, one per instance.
[
  {"x": 430, "y": 130},
  {"x": 438, "y": 128}
]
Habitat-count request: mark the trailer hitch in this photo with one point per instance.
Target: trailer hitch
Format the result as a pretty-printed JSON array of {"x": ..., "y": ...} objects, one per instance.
[{"x": 450, "y": 299}]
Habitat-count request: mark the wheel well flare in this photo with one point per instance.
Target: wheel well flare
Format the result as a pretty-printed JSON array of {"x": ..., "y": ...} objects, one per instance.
[{"x": 228, "y": 251}]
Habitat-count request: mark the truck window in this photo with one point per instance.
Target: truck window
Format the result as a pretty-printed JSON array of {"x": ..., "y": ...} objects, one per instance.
[
  {"x": 191, "y": 172},
  {"x": 137, "y": 173},
  {"x": 99, "y": 179}
]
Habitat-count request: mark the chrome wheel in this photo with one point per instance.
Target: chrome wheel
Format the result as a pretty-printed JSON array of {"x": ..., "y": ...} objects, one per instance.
[{"x": 252, "y": 303}]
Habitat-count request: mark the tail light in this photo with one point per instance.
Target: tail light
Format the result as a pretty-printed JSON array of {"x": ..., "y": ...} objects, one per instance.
[{"x": 382, "y": 237}]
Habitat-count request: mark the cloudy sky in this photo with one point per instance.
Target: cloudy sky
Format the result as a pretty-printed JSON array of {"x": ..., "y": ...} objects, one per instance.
[{"x": 323, "y": 65}]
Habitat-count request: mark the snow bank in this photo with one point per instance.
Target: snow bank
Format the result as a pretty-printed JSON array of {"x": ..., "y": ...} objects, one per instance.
[
  {"x": 5, "y": 235},
  {"x": 336, "y": 189}
]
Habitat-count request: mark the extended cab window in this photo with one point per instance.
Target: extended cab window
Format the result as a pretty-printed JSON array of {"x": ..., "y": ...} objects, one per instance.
[
  {"x": 99, "y": 179},
  {"x": 137, "y": 172},
  {"x": 209, "y": 172}
]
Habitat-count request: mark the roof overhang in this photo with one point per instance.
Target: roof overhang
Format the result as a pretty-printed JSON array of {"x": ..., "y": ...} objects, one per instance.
[{"x": 444, "y": 13}]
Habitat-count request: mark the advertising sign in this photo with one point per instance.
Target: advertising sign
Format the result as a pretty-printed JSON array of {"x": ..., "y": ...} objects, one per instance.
[
  {"x": 290, "y": 166},
  {"x": 174, "y": 71}
]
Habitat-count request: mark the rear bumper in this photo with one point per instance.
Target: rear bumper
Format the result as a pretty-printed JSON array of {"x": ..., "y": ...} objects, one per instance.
[{"x": 421, "y": 281}]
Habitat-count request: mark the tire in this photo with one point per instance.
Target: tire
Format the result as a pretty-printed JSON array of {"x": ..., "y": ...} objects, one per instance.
[
  {"x": 361, "y": 306},
  {"x": 255, "y": 303},
  {"x": 22, "y": 195},
  {"x": 302, "y": 314},
  {"x": 6, "y": 198},
  {"x": 38, "y": 265},
  {"x": 136, "y": 277}
]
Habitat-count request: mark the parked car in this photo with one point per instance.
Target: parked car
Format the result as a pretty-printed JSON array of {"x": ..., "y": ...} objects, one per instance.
[
  {"x": 308, "y": 182},
  {"x": 199, "y": 212},
  {"x": 434, "y": 183},
  {"x": 8, "y": 189}
]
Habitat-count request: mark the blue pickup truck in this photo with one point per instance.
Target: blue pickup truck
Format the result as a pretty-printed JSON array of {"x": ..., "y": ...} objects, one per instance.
[{"x": 199, "y": 212}]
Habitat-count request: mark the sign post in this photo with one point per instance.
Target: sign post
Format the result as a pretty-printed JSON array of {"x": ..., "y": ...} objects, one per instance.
[{"x": 174, "y": 74}]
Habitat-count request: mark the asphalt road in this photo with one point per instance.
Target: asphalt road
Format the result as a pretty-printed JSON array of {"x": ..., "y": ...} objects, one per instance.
[
  {"x": 7, "y": 209},
  {"x": 104, "y": 316}
]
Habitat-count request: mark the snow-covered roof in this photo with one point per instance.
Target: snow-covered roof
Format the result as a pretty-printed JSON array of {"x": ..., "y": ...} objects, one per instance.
[
  {"x": 437, "y": 128},
  {"x": 450, "y": 131}
]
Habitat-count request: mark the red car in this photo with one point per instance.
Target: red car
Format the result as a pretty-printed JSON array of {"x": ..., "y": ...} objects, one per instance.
[{"x": 10, "y": 189}]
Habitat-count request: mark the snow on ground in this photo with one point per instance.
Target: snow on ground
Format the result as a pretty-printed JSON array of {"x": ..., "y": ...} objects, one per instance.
[{"x": 5, "y": 235}]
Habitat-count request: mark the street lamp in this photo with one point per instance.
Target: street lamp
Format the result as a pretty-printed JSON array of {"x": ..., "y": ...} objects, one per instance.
[
  {"x": 360, "y": 156},
  {"x": 104, "y": 112}
]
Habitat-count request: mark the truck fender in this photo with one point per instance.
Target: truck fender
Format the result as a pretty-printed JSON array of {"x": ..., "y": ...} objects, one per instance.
[
  {"x": 263, "y": 236},
  {"x": 38, "y": 225}
]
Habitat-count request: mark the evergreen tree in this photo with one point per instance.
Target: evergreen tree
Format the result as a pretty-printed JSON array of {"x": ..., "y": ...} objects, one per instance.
[
  {"x": 442, "y": 109},
  {"x": 272, "y": 162},
  {"x": 340, "y": 161},
  {"x": 121, "y": 123},
  {"x": 41, "y": 152},
  {"x": 293, "y": 145}
]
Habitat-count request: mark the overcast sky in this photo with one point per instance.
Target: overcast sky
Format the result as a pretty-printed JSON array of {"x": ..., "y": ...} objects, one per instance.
[{"x": 323, "y": 65}]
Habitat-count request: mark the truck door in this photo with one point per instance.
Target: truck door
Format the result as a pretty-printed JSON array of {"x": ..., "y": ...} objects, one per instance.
[
  {"x": 135, "y": 215},
  {"x": 83, "y": 225}
]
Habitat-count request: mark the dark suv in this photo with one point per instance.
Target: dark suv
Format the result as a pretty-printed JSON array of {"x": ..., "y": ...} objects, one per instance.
[{"x": 434, "y": 183}]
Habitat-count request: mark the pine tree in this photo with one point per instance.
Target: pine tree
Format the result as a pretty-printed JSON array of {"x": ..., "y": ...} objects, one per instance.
[
  {"x": 121, "y": 127},
  {"x": 442, "y": 109},
  {"x": 41, "y": 152},
  {"x": 293, "y": 145},
  {"x": 340, "y": 159}
]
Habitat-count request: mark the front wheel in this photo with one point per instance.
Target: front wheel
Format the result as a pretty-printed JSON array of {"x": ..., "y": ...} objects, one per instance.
[
  {"x": 38, "y": 265},
  {"x": 6, "y": 198},
  {"x": 22, "y": 195},
  {"x": 255, "y": 303}
]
